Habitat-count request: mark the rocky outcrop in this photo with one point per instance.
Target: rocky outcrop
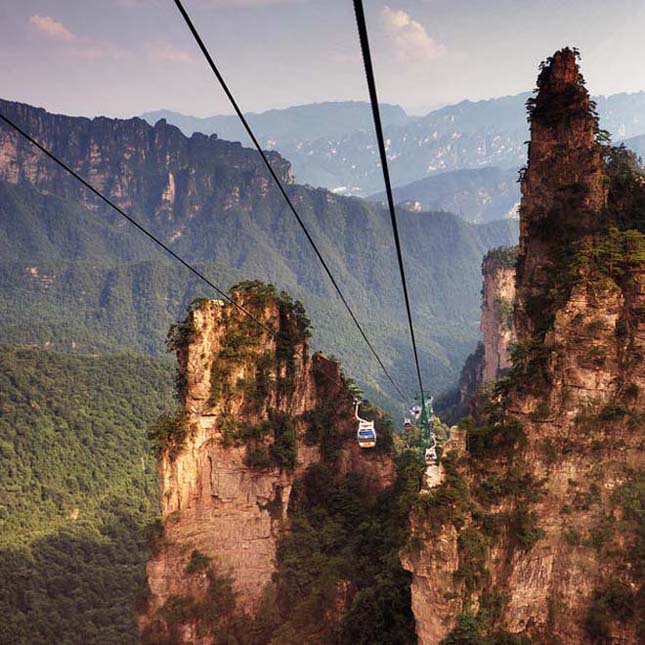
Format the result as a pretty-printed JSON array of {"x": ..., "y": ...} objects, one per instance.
[
  {"x": 249, "y": 393},
  {"x": 493, "y": 355},
  {"x": 497, "y": 325},
  {"x": 472, "y": 374},
  {"x": 432, "y": 556},
  {"x": 535, "y": 532},
  {"x": 564, "y": 186},
  {"x": 155, "y": 173}
]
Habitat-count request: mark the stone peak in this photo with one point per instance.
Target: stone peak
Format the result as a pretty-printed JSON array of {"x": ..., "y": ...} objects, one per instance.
[{"x": 562, "y": 68}]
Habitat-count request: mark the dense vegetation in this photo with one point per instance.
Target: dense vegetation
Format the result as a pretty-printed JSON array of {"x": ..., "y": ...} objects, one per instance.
[
  {"x": 86, "y": 283},
  {"x": 343, "y": 551},
  {"x": 79, "y": 487}
]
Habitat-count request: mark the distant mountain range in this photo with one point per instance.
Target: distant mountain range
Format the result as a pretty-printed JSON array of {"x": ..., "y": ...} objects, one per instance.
[
  {"x": 479, "y": 195},
  {"x": 288, "y": 126},
  {"x": 333, "y": 145}
]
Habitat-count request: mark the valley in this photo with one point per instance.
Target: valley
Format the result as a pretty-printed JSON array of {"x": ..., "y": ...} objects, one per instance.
[{"x": 180, "y": 465}]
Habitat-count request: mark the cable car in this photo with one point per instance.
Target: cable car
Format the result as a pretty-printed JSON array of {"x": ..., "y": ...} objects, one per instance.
[
  {"x": 366, "y": 434},
  {"x": 430, "y": 456},
  {"x": 407, "y": 424}
]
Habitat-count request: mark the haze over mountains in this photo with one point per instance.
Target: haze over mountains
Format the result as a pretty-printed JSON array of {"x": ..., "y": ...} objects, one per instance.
[{"x": 339, "y": 151}]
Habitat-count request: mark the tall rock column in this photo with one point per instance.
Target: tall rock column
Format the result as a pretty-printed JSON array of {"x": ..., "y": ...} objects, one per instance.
[
  {"x": 564, "y": 186},
  {"x": 538, "y": 529},
  {"x": 228, "y": 459}
]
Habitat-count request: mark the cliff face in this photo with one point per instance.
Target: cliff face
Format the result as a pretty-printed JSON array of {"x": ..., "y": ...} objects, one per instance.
[
  {"x": 492, "y": 356},
  {"x": 536, "y": 530},
  {"x": 249, "y": 407},
  {"x": 497, "y": 325},
  {"x": 153, "y": 172}
]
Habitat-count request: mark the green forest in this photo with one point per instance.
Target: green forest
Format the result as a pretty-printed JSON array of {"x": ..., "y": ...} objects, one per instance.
[
  {"x": 87, "y": 284},
  {"x": 79, "y": 491}
]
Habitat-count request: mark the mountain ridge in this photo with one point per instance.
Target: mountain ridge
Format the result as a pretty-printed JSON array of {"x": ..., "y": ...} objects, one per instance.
[
  {"x": 213, "y": 202},
  {"x": 469, "y": 134}
]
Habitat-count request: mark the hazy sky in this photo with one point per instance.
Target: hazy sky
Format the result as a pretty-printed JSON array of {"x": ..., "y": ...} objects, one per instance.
[{"x": 123, "y": 57}]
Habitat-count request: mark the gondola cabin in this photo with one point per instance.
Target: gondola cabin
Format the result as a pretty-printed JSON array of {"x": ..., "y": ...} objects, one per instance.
[{"x": 366, "y": 435}]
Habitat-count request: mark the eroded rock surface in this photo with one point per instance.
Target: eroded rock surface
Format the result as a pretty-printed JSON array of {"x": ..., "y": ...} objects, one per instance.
[
  {"x": 243, "y": 437},
  {"x": 532, "y": 533}
]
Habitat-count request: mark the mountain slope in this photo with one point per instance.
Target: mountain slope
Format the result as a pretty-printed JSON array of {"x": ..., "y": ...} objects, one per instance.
[
  {"x": 481, "y": 195},
  {"x": 78, "y": 488},
  {"x": 92, "y": 281}
]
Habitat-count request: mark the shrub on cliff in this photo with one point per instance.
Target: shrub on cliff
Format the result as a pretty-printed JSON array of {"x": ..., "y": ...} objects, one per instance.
[
  {"x": 168, "y": 434},
  {"x": 504, "y": 257}
]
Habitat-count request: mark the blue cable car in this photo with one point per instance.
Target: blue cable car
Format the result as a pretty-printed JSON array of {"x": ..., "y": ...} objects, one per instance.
[{"x": 366, "y": 434}]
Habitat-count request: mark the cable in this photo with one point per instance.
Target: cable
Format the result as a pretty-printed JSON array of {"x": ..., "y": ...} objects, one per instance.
[
  {"x": 292, "y": 208},
  {"x": 369, "y": 73},
  {"x": 156, "y": 240},
  {"x": 121, "y": 212}
]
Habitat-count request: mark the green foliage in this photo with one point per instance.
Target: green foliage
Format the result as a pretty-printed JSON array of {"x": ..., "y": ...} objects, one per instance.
[
  {"x": 494, "y": 434},
  {"x": 213, "y": 614},
  {"x": 630, "y": 497},
  {"x": 341, "y": 538},
  {"x": 475, "y": 629},
  {"x": 516, "y": 483},
  {"x": 523, "y": 528},
  {"x": 504, "y": 257},
  {"x": 198, "y": 562},
  {"x": 79, "y": 487},
  {"x": 168, "y": 434},
  {"x": 181, "y": 334},
  {"x": 616, "y": 602},
  {"x": 504, "y": 312},
  {"x": 450, "y": 501},
  {"x": 626, "y": 198},
  {"x": 473, "y": 549},
  {"x": 466, "y": 632},
  {"x": 613, "y": 254},
  {"x": 280, "y": 451},
  {"x": 529, "y": 362}
]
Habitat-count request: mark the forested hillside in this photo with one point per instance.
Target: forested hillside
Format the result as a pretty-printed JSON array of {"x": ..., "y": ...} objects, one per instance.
[
  {"x": 87, "y": 282},
  {"x": 79, "y": 489}
]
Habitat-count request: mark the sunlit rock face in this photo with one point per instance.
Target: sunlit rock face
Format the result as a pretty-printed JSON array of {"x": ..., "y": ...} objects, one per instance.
[
  {"x": 155, "y": 173},
  {"x": 247, "y": 396},
  {"x": 532, "y": 532},
  {"x": 493, "y": 355},
  {"x": 498, "y": 329}
]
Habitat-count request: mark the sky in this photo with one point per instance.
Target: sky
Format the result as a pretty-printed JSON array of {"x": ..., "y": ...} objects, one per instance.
[{"x": 125, "y": 57}]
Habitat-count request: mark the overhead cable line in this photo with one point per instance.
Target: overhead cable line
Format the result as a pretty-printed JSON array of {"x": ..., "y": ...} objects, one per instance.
[
  {"x": 371, "y": 84},
  {"x": 151, "y": 236},
  {"x": 292, "y": 208}
]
